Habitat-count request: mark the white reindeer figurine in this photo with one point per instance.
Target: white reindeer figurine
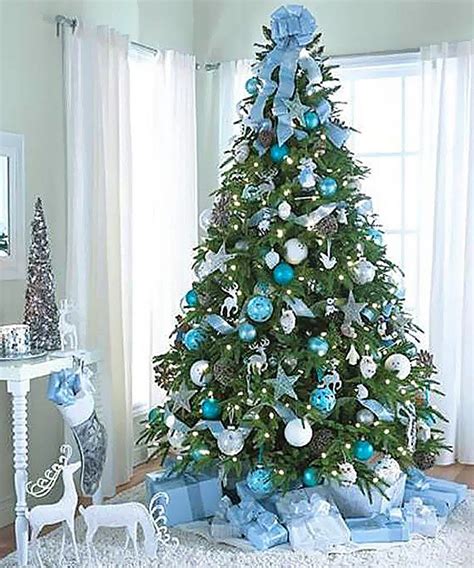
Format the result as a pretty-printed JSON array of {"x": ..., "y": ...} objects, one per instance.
[
  {"x": 257, "y": 363},
  {"x": 230, "y": 306},
  {"x": 61, "y": 512},
  {"x": 67, "y": 330}
]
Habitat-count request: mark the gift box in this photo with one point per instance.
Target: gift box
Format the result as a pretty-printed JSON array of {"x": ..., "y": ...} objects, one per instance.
[
  {"x": 191, "y": 497},
  {"x": 431, "y": 490},
  {"x": 259, "y": 526},
  {"x": 312, "y": 522},
  {"x": 245, "y": 494},
  {"x": 389, "y": 527},
  {"x": 221, "y": 528},
  {"x": 421, "y": 518},
  {"x": 442, "y": 501},
  {"x": 352, "y": 502}
]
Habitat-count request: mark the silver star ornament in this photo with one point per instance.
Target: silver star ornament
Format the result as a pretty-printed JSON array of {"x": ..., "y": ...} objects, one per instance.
[
  {"x": 352, "y": 310},
  {"x": 182, "y": 397},
  {"x": 283, "y": 384}
]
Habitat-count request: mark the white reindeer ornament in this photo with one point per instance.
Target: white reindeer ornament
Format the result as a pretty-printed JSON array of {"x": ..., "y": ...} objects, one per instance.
[{"x": 67, "y": 330}]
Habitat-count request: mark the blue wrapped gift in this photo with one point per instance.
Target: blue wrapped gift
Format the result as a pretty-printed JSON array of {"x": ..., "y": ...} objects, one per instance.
[
  {"x": 245, "y": 494},
  {"x": 421, "y": 518},
  {"x": 221, "y": 528},
  {"x": 191, "y": 497},
  {"x": 442, "y": 501},
  {"x": 417, "y": 480},
  {"x": 312, "y": 522},
  {"x": 353, "y": 502},
  {"x": 379, "y": 528}
]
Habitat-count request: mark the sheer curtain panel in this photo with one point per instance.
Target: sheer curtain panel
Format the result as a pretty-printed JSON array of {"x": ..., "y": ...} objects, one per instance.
[
  {"x": 99, "y": 188},
  {"x": 447, "y": 220}
]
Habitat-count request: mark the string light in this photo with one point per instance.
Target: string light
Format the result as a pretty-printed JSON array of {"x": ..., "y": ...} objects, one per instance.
[
  {"x": 281, "y": 472},
  {"x": 279, "y": 233},
  {"x": 324, "y": 455},
  {"x": 347, "y": 446},
  {"x": 267, "y": 435}
]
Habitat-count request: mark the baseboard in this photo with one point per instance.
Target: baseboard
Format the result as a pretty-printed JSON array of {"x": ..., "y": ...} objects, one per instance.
[
  {"x": 140, "y": 452},
  {"x": 7, "y": 511}
]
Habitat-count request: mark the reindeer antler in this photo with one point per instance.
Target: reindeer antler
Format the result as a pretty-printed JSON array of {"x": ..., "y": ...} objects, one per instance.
[{"x": 43, "y": 485}]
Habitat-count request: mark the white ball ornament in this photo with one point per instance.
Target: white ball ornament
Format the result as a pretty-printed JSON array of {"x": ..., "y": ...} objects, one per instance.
[
  {"x": 388, "y": 470},
  {"x": 398, "y": 364},
  {"x": 199, "y": 373},
  {"x": 367, "y": 366},
  {"x": 363, "y": 271},
  {"x": 347, "y": 474},
  {"x": 295, "y": 251},
  {"x": 298, "y": 432},
  {"x": 230, "y": 442},
  {"x": 284, "y": 210}
]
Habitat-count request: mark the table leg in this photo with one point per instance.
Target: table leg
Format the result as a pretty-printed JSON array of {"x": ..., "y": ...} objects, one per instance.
[{"x": 19, "y": 391}]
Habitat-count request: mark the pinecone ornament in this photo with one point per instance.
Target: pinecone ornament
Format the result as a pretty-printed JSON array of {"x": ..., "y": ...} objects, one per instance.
[
  {"x": 221, "y": 211},
  {"x": 222, "y": 371},
  {"x": 265, "y": 137},
  {"x": 327, "y": 226},
  {"x": 425, "y": 358},
  {"x": 181, "y": 328},
  {"x": 424, "y": 460},
  {"x": 320, "y": 442}
]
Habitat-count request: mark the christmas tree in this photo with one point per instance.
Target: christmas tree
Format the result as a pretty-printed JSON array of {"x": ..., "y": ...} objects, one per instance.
[
  {"x": 294, "y": 361},
  {"x": 41, "y": 310}
]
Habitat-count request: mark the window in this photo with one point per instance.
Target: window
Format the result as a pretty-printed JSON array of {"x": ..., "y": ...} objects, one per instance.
[{"x": 383, "y": 95}]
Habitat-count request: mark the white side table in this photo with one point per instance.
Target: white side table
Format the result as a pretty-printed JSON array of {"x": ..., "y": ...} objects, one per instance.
[{"x": 18, "y": 375}]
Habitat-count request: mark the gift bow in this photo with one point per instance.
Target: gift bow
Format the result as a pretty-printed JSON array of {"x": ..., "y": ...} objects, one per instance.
[
  {"x": 417, "y": 508},
  {"x": 417, "y": 479},
  {"x": 304, "y": 508},
  {"x": 253, "y": 511},
  {"x": 63, "y": 386},
  {"x": 292, "y": 28}
]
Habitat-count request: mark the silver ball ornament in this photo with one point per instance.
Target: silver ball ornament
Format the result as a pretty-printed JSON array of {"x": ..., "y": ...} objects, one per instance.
[
  {"x": 284, "y": 210},
  {"x": 272, "y": 258},
  {"x": 398, "y": 364},
  {"x": 199, "y": 373},
  {"x": 365, "y": 417},
  {"x": 230, "y": 442},
  {"x": 298, "y": 432},
  {"x": 363, "y": 271},
  {"x": 295, "y": 251}
]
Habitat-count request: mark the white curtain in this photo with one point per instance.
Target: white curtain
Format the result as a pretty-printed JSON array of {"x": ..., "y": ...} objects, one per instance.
[
  {"x": 232, "y": 78},
  {"x": 447, "y": 221},
  {"x": 99, "y": 188},
  {"x": 164, "y": 205}
]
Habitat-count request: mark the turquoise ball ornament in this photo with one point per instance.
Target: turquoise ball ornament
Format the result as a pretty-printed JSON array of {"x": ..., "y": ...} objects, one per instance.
[
  {"x": 375, "y": 236},
  {"x": 283, "y": 273},
  {"x": 310, "y": 477},
  {"x": 192, "y": 298},
  {"x": 210, "y": 409},
  {"x": 318, "y": 345},
  {"x": 155, "y": 415},
  {"x": 323, "y": 399},
  {"x": 260, "y": 482},
  {"x": 363, "y": 450},
  {"x": 259, "y": 309},
  {"x": 311, "y": 120},
  {"x": 247, "y": 332},
  {"x": 251, "y": 85},
  {"x": 193, "y": 339},
  {"x": 327, "y": 187},
  {"x": 197, "y": 454},
  {"x": 278, "y": 153}
]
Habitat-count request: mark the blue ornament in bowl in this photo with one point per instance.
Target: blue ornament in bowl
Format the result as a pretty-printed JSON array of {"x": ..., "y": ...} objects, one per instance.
[
  {"x": 283, "y": 273},
  {"x": 327, "y": 187},
  {"x": 247, "y": 332},
  {"x": 310, "y": 477},
  {"x": 319, "y": 345},
  {"x": 323, "y": 399},
  {"x": 278, "y": 153},
  {"x": 363, "y": 450},
  {"x": 251, "y": 85},
  {"x": 193, "y": 339},
  {"x": 192, "y": 298},
  {"x": 210, "y": 409},
  {"x": 259, "y": 309},
  {"x": 311, "y": 120},
  {"x": 259, "y": 481}
]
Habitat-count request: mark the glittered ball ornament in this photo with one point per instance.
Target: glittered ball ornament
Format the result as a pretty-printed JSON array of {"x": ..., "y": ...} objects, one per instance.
[
  {"x": 363, "y": 272},
  {"x": 388, "y": 470},
  {"x": 284, "y": 210},
  {"x": 260, "y": 482},
  {"x": 398, "y": 364},
  {"x": 192, "y": 298},
  {"x": 199, "y": 373},
  {"x": 230, "y": 442},
  {"x": 318, "y": 345},
  {"x": 323, "y": 399},
  {"x": 311, "y": 120},
  {"x": 259, "y": 309},
  {"x": 363, "y": 450},
  {"x": 193, "y": 339},
  {"x": 210, "y": 409},
  {"x": 327, "y": 187},
  {"x": 278, "y": 153},
  {"x": 295, "y": 251},
  {"x": 365, "y": 417},
  {"x": 298, "y": 432},
  {"x": 251, "y": 85},
  {"x": 283, "y": 273},
  {"x": 247, "y": 332},
  {"x": 310, "y": 477}
]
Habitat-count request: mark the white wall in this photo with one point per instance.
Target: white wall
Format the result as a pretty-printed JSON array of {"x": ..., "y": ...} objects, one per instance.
[{"x": 31, "y": 104}]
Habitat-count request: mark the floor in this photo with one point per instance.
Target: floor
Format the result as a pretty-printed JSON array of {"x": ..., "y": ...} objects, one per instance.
[{"x": 456, "y": 472}]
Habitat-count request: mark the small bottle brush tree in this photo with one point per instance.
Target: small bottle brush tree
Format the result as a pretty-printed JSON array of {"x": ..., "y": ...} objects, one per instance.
[
  {"x": 41, "y": 310},
  {"x": 295, "y": 360}
]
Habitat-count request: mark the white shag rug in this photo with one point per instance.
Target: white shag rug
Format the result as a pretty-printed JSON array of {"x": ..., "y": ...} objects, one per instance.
[{"x": 453, "y": 547}]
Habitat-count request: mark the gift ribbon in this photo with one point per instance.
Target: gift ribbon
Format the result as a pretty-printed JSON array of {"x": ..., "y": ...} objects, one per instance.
[
  {"x": 219, "y": 324},
  {"x": 63, "y": 386},
  {"x": 292, "y": 27},
  {"x": 417, "y": 508},
  {"x": 377, "y": 522},
  {"x": 299, "y": 307},
  {"x": 417, "y": 479},
  {"x": 310, "y": 220}
]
